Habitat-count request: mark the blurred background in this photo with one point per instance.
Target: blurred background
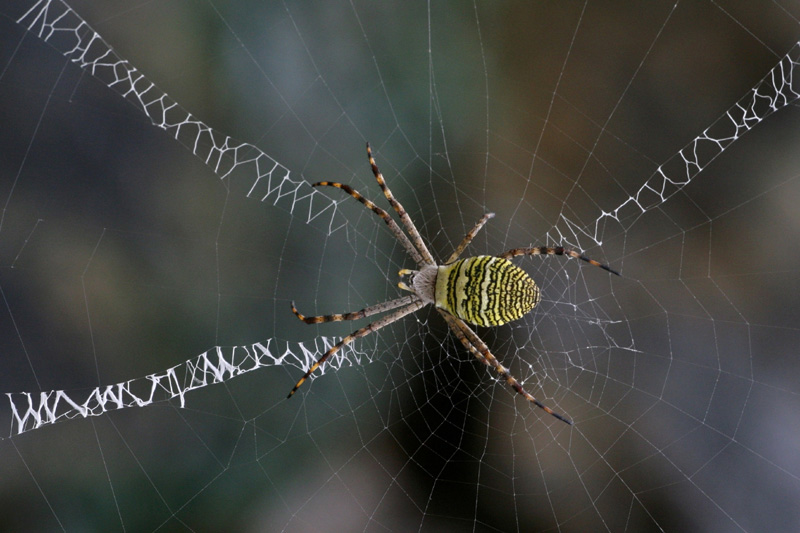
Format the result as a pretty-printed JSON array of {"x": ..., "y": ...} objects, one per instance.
[{"x": 122, "y": 254}]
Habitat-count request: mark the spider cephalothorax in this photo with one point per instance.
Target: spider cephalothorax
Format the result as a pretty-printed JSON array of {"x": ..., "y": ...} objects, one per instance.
[{"x": 483, "y": 290}]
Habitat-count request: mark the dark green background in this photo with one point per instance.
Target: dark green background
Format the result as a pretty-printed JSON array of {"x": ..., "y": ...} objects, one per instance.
[{"x": 121, "y": 254}]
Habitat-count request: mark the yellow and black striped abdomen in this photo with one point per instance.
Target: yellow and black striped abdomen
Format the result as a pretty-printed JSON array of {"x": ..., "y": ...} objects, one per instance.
[{"x": 485, "y": 290}]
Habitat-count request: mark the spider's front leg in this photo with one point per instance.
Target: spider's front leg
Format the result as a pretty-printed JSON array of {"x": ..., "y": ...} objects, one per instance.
[
  {"x": 413, "y": 233},
  {"x": 413, "y": 302},
  {"x": 355, "y": 315}
]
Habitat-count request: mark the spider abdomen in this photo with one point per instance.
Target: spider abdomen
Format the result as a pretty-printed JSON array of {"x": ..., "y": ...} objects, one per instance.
[{"x": 485, "y": 290}]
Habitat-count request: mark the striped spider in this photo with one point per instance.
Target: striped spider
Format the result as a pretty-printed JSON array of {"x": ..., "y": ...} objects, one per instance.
[{"x": 483, "y": 290}]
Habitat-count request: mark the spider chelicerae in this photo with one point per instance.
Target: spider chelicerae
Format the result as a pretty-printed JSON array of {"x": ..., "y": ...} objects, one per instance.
[{"x": 483, "y": 290}]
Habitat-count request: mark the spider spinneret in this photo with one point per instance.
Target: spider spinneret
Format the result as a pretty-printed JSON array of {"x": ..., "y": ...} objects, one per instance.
[{"x": 483, "y": 290}]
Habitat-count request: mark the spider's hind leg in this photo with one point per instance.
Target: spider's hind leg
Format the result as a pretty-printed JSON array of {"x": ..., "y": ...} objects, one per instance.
[
  {"x": 478, "y": 348},
  {"x": 544, "y": 250}
]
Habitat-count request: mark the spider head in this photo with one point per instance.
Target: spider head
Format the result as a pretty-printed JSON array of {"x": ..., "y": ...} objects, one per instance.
[{"x": 421, "y": 282}]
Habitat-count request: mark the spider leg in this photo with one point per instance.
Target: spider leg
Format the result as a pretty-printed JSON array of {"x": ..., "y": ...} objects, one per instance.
[
  {"x": 393, "y": 227},
  {"x": 468, "y": 238},
  {"x": 416, "y": 238},
  {"x": 367, "y": 311},
  {"x": 450, "y": 319},
  {"x": 366, "y": 330},
  {"x": 473, "y": 343},
  {"x": 543, "y": 250}
]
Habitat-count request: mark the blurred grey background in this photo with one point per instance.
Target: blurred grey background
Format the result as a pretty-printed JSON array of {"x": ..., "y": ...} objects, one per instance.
[{"x": 121, "y": 254}]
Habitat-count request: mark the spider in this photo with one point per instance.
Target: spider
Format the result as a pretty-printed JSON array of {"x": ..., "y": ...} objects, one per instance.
[{"x": 483, "y": 290}]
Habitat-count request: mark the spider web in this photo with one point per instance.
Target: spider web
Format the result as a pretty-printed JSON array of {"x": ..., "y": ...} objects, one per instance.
[{"x": 148, "y": 344}]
